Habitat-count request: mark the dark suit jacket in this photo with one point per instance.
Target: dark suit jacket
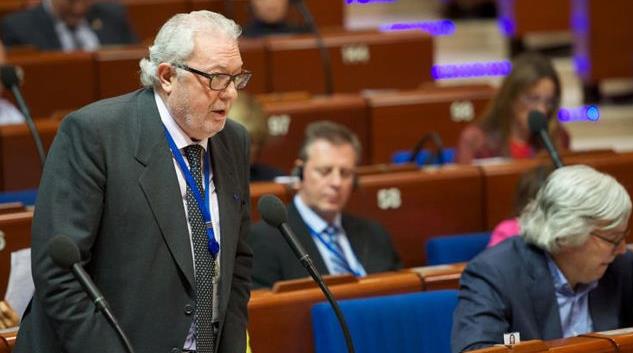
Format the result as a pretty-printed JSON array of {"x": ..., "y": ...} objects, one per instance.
[
  {"x": 509, "y": 288},
  {"x": 35, "y": 27},
  {"x": 273, "y": 260},
  {"x": 110, "y": 184}
]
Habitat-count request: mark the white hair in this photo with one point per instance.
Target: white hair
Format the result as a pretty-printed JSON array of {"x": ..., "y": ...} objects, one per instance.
[
  {"x": 573, "y": 202},
  {"x": 175, "y": 40}
]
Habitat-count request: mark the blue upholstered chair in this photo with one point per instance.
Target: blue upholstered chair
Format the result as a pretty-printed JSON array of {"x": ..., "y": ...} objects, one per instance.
[
  {"x": 455, "y": 248},
  {"x": 417, "y": 322},
  {"x": 425, "y": 157},
  {"x": 27, "y": 197}
]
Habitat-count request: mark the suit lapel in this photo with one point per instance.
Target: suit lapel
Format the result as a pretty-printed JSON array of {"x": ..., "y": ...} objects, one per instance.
[
  {"x": 605, "y": 313},
  {"x": 224, "y": 179},
  {"x": 541, "y": 292},
  {"x": 359, "y": 245},
  {"x": 303, "y": 234},
  {"x": 160, "y": 183}
]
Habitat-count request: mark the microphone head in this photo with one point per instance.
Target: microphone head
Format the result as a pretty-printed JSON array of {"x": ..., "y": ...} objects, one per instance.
[
  {"x": 63, "y": 251},
  {"x": 10, "y": 75},
  {"x": 537, "y": 121},
  {"x": 272, "y": 210}
]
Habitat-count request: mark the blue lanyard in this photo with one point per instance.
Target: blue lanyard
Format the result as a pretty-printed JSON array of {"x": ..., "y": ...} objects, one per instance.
[
  {"x": 328, "y": 245},
  {"x": 212, "y": 244}
]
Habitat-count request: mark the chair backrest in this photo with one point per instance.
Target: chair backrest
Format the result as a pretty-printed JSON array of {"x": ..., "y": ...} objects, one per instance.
[
  {"x": 26, "y": 197},
  {"x": 415, "y": 323},
  {"x": 455, "y": 248},
  {"x": 425, "y": 157}
]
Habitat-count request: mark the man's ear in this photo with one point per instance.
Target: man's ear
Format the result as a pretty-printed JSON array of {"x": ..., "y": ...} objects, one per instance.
[{"x": 166, "y": 76}]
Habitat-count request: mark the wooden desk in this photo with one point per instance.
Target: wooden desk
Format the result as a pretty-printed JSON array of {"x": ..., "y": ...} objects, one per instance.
[
  {"x": 148, "y": 16},
  {"x": 360, "y": 60},
  {"x": 602, "y": 35},
  {"x": 415, "y": 206},
  {"x": 519, "y": 18},
  {"x": 500, "y": 180},
  {"x": 440, "y": 276},
  {"x": 288, "y": 119},
  {"x": 254, "y": 58},
  {"x": 15, "y": 235},
  {"x": 55, "y": 81},
  {"x": 500, "y": 184},
  {"x": 8, "y": 337},
  {"x": 261, "y": 188},
  {"x": 280, "y": 322},
  {"x": 399, "y": 119},
  {"x": 326, "y": 13},
  {"x": 525, "y": 17},
  {"x": 118, "y": 70},
  {"x": 20, "y": 166}
]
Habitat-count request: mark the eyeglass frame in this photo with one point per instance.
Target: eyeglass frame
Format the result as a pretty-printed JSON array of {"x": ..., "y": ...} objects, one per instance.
[
  {"x": 211, "y": 76},
  {"x": 614, "y": 242},
  {"x": 532, "y": 101}
]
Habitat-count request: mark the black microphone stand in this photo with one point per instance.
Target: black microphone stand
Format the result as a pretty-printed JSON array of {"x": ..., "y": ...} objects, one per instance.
[
  {"x": 326, "y": 62},
  {"x": 553, "y": 153},
  {"x": 307, "y": 263},
  {"x": 29, "y": 122}
]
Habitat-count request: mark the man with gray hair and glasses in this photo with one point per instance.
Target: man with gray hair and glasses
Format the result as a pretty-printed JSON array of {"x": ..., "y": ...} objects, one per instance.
[
  {"x": 568, "y": 274},
  {"x": 152, "y": 186}
]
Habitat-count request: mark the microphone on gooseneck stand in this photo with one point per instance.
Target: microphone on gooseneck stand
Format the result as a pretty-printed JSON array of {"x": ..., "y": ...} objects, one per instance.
[
  {"x": 11, "y": 77},
  {"x": 65, "y": 254},
  {"x": 274, "y": 213},
  {"x": 326, "y": 62},
  {"x": 537, "y": 123}
]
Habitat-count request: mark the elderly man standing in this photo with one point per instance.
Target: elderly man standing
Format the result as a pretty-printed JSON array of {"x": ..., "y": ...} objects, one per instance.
[
  {"x": 568, "y": 274},
  {"x": 153, "y": 188},
  {"x": 337, "y": 242}
]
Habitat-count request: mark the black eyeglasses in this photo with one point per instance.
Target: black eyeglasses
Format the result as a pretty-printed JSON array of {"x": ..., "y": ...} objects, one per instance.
[
  {"x": 219, "y": 82},
  {"x": 615, "y": 242}
]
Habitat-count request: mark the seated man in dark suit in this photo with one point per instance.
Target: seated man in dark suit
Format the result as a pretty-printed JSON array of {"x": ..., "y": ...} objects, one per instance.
[
  {"x": 68, "y": 25},
  {"x": 568, "y": 274},
  {"x": 338, "y": 243}
]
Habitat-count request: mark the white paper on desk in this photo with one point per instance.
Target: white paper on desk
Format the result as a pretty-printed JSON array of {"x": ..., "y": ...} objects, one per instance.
[{"x": 20, "y": 288}]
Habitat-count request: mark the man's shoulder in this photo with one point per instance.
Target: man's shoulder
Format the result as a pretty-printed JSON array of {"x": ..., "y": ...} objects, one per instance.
[
  {"x": 24, "y": 17},
  {"x": 115, "y": 112},
  {"x": 120, "y": 103},
  {"x": 507, "y": 258}
]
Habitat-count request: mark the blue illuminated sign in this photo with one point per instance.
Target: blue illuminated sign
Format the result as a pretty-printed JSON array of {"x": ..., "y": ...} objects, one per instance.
[
  {"x": 366, "y": 1},
  {"x": 472, "y": 69},
  {"x": 434, "y": 28},
  {"x": 583, "y": 113}
]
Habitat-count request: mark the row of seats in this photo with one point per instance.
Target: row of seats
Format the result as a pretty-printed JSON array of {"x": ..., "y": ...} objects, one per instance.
[
  {"x": 280, "y": 319},
  {"x": 57, "y": 81},
  {"x": 146, "y": 16},
  {"x": 601, "y": 33},
  {"x": 385, "y": 122},
  {"x": 417, "y": 205}
]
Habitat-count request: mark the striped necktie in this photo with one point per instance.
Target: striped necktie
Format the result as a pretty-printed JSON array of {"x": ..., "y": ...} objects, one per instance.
[{"x": 339, "y": 262}]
